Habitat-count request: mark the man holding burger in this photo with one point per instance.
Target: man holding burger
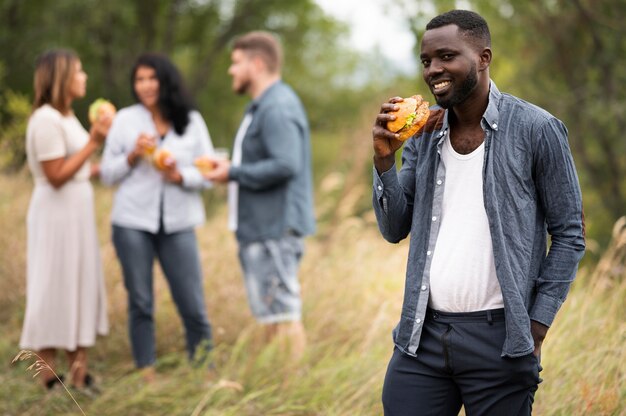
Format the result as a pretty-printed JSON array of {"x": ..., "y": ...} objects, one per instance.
[
  {"x": 480, "y": 187},
  {"x": 270, "y": 187}
]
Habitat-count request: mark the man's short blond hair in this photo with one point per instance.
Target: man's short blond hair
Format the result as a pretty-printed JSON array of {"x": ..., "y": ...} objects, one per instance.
[{"x": 265, "y": 45}]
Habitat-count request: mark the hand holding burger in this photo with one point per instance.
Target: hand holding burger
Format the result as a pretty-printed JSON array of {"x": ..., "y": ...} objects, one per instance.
[
  {"x": 162, "y": 159},
  {"x": 399, "y": 119},
  {"x": 204, "y": 164},
  {"x": 411, "y": 116},
  {"x": 101, "y": 108},
  {"x": 219, "y": 171},
  {"x": 101, "y": 113}
]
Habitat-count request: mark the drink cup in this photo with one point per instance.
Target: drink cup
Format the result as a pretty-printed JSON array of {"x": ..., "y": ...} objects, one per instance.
[
  {"x": 221, "y": 153},
  {"x": 150, "y": 148}
]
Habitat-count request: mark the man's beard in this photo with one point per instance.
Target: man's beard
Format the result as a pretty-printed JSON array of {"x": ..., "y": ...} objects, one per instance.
[
  {"x": 461, "y": 93},
  {"x": 243, "y": 88}
]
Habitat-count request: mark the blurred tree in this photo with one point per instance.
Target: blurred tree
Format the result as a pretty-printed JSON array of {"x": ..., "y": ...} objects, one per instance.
[
  {"x": 13, "y": 121},
  {"x": 573, "y": 60},
  {"x": 196, "y": 34}
]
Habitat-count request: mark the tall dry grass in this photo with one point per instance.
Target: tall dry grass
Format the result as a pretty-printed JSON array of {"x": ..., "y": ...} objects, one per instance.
[{"x": 352, "y": 284}]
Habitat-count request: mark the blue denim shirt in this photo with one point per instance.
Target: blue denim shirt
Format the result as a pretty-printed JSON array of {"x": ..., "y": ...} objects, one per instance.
[
  {"x": 530, "y": 190},
  {"x": 275, "y": 176}
]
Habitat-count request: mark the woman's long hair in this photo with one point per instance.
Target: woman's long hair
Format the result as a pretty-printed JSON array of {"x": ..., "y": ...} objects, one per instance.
[
  {"x": 54, "y": 71},
  {"x": 175, "y": 103}
]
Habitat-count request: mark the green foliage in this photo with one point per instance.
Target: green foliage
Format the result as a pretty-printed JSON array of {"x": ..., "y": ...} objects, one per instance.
[
  {"x": 16, "y": 109},
  {"x": 566, "y": 56},
  {"x": 108, "y": 36},
  {"x": 569, "y": 57}
]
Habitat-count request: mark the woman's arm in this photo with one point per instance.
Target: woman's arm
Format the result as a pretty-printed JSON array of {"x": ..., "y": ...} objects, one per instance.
[{"x": 59, "y": 171}]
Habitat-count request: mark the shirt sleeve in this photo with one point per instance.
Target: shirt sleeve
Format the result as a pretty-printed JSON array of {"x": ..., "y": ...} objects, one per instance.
[
  {"x": 283, "y": 139},
  {"x": 393, "y": 195},
  {"x": 560, "y": 197},
  {"x": 192, "y": 178},
  {"x": 114, "y": 166},
  {"x": 48, "y": 137}
]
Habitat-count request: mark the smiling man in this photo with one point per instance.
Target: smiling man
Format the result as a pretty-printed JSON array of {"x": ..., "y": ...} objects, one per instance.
[{"x": 482, "y": 185}]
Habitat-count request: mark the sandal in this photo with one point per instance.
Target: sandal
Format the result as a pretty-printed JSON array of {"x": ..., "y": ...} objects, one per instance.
[
  {"x": 50, "y": 384},
  {"x": 90, "y": 388}
]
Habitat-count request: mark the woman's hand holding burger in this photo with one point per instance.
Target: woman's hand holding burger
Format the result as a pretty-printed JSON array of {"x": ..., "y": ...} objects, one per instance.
[{"x": 170, "y": 171}]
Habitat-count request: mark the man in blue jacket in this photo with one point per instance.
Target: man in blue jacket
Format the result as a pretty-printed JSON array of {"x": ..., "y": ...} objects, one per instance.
[
  {"x": 480, "y": 187},
  {"x": 270, "y": 186}
]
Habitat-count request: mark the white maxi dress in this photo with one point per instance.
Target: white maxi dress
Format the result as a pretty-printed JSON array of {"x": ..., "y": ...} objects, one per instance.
[{"x": 65, "y": 291}]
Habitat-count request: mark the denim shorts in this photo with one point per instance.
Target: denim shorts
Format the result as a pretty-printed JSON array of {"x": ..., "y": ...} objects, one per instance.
[{"x": 270, "y": 269}]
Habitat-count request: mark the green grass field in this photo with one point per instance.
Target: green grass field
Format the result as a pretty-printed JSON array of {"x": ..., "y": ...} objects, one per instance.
[{"x": 352, "y": 285}]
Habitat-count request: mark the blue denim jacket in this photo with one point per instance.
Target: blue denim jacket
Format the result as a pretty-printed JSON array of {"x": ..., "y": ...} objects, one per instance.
[{"x": 530, "y": 189}]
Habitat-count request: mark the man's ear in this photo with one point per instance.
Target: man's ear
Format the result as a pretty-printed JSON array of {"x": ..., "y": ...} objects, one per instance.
[
  {"x": 259, "y": 64},
  {"x": 484, "y": 59}
]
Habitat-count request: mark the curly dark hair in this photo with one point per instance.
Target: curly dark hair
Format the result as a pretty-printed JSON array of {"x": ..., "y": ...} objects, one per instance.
[
  {"x": 470, "y": 24},
  {"x": 175, "y": 102}
]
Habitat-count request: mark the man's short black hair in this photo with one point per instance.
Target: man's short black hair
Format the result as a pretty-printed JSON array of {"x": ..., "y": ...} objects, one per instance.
[{"x": 470, "y": 24}]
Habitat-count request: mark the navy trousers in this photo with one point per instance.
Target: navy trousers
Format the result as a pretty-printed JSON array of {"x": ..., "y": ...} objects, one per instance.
[{"x": 458, "y": 364}]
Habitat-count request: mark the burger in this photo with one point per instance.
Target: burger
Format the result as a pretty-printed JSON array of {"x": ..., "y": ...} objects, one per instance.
[
  {"x": 162, "y": 157},
  {"x": 99, "y": 108},
  {"x": 411, "y": 116},
  {"x": 204, "y": 164}
]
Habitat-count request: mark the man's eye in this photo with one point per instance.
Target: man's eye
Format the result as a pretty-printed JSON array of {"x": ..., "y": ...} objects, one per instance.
[
  {"x": 447, "y": 57},
  {"x": 425, "y": 62}
]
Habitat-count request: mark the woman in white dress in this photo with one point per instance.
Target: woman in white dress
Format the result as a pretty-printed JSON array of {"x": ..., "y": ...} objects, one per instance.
[{"x": 65, "y": 293}]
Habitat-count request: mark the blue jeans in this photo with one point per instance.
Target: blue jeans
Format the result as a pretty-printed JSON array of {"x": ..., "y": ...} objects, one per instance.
[{"x": 180, "y": 262}]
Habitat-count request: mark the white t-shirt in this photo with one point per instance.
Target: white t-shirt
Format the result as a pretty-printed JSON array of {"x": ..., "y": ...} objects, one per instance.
[
  {"x": 463, "y": 274},
  {"x": 233, "y": 186},
  {"x": 51, "y": 135}
]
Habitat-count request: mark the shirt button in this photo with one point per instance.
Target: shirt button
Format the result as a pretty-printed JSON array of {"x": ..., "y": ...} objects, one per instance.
[
  {"x": 495, "y": 126},
  {"x": 380, "y": 188},
  {"x": 423, "y": 287},
  {"x": 439, "y": 182},
  {"x": 428, "y": 253},
  {"x": 434, "y": 218},
  {"x": 418, "y": 320}
]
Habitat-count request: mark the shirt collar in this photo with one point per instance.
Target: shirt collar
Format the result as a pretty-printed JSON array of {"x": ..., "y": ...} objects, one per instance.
[
  {"x": 490, "y": 117},
  {"x": 252, "y": 107},
  {"x": 492, "y": 113}
]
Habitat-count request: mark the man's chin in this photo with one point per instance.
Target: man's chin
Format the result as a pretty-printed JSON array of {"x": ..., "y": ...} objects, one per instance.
[
  {"x": 241, "y": 89},
  {"x": 443, "y": 103}
]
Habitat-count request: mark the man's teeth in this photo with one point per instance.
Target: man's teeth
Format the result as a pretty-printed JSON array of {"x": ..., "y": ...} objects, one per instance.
[{"x": 441, "y": 85}]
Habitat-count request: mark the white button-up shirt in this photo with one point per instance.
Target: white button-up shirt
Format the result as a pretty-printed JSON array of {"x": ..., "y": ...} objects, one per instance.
[{"x": 142, "y": 190}]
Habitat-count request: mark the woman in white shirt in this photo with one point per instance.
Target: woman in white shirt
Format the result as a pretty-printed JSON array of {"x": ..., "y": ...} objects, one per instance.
[
  {"x": 155, "y": 210},
  {"x": 65, "y": 293}
]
